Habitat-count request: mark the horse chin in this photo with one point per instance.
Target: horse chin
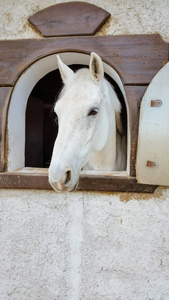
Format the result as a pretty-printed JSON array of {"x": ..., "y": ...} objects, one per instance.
[
  {"x": 74, "y": 188},
  {"x": 63, "y": 188}
]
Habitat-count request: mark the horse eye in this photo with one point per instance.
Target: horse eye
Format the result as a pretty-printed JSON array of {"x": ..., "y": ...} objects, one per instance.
[{"x": 93, "y": 112}]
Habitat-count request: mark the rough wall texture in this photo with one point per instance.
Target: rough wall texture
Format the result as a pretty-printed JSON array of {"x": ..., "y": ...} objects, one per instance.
[{"x": 85, "y": 246}]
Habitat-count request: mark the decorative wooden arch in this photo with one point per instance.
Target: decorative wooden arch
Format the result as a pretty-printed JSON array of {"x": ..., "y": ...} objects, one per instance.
[
  {"x": 135, "y": 58},
  {"x": 69, "y": 19}
]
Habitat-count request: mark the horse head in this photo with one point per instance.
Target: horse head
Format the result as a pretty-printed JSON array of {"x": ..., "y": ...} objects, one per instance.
[{"x": 83, "y": 113}]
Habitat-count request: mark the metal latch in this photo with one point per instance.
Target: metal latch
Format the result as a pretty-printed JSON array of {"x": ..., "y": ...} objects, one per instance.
[{"x": 156, "y": 103}]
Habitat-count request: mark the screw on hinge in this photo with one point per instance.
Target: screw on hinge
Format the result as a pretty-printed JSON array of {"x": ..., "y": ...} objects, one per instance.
[
  {"x": 151, "y": 164},
  {"x": 156, "y": 103}
]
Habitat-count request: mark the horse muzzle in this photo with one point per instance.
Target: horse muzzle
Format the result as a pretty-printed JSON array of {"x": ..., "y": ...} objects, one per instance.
[
  {"x": 58, "y": 187},
  {"x": 65, "y": 183}
]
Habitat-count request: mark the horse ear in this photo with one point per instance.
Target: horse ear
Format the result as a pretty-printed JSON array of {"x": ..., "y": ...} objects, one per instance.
[
  {"x": 65, "y": 72},
  {"x": 96, "y": 67}
]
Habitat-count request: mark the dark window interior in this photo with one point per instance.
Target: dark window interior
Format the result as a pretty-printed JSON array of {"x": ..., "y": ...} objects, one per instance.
[{"x": 41, "y": 121}]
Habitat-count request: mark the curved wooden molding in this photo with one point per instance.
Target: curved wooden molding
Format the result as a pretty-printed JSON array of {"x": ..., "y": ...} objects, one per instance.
[
  {"x": 69, "y": 19},
  {"x": 136, "y": 58},
  {"x": 5, "y": 93}
]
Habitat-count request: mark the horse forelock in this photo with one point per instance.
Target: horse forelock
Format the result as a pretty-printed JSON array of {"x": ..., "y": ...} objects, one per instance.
[{"x": 80, "y": 86}]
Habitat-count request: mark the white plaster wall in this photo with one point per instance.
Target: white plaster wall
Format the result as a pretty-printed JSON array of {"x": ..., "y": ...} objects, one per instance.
[{"x": 85, "y": 246}]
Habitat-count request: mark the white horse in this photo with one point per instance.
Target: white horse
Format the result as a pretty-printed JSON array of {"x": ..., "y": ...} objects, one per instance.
[{"x": 90, "y": 134}]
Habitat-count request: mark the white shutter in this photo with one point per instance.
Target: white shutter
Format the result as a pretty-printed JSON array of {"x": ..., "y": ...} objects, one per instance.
[{"x": 152, "y": 165}]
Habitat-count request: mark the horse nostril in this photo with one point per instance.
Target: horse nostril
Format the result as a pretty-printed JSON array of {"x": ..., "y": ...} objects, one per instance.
[{"x": 68, "y": 176}]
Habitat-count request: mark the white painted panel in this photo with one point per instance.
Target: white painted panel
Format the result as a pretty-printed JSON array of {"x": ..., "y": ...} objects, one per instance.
[{"x": 152, "y": 165}]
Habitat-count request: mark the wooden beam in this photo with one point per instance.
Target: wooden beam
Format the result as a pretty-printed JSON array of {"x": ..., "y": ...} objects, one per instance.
[
  {"x": 69, "y": 19},
  {"x": 38, "y": 179},
  {"x": 136, "y": 58}
]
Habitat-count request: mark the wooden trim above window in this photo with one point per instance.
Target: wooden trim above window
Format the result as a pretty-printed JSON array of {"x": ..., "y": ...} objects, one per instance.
[
  {"x": 70, "y": 18},
  {"x": 136, "y": 58}
]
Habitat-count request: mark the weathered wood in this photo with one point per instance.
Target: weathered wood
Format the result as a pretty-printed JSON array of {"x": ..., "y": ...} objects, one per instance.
[
  {"x": 87, "y": 182},
  {"x": 113, "y": 183},
  {"x": 69, "y": 19},
  {"x": 134, "y": 95},
  {"x": 24, "y": 181},
  {"x": 136, "y": 58},
  {"x": 5, "y": 93}
]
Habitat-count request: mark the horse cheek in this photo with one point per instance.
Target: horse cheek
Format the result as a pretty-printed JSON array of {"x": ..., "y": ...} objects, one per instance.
[{"x": 101, "y": 134}]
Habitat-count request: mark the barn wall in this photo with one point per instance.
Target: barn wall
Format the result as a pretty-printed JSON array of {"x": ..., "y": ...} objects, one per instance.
[{"x": 81, "y": 245}]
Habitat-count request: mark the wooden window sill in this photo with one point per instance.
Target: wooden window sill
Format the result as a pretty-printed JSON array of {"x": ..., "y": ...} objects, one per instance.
[{"x": 37, "y": 178}]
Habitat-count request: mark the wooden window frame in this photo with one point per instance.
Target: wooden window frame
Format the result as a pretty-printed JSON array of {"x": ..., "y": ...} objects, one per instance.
[{"x": 125, "y": 55}]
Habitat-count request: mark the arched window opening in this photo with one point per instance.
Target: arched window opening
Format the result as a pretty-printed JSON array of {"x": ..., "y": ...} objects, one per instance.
[
  {"x": 41, "y": 122},
  {"x": 30, "y": 118}
]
